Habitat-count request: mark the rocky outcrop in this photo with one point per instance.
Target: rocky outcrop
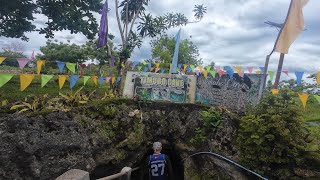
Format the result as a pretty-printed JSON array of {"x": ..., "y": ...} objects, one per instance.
[{"x": 104, "y": 137}]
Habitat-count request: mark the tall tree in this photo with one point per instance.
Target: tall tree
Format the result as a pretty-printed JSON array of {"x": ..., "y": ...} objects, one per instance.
[
  {"x": 74, "y": 15},
  {"x": 163, "y": 49}
]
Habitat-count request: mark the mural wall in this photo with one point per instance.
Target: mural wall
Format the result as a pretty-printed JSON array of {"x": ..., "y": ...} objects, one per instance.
[
  {"x": 160, "y": 87},
  {"x": 232, "y": 93}
]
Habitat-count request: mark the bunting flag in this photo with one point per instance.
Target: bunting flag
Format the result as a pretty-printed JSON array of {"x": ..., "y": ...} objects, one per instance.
[
  {"x": 25, "y": 81},
  {"x": 62, "y": 80},
  {"x": 250, "y": 69},
  {"x": 275, "y": 91},
  {"x": 95, "y": 79},
  {"x": 177, "y": 70},
  {"x": 103, "y": 30},
  {"x": 73, "y": 80},
  {"x": 271, "y": 75},
  {"x": 317, "y": 98},
  {"x": 157, "y": 69},
  {"x": 60, "y": 66},
  {"x": 157, "y": 65},
  {"x": 145, "y": 69},
  {"x": 192, "y": 67},
  {"x": 176, "y": 53},
  {"x": 221, "y": 72},
  {"x": 213, "y": 73},
  {"x": 23, "y": 62},
  {"x": 85, "y": 79},
  {"x": 40, "y": 63},
  {"x": 144, "y": 63},
  {"x": 205, "y": 73},
  {"x": 179, "y": 66},
  {"x": 286, "y": 72},
  {"x": 149, "y": 65},
  {"x": 45, "y": 79},
  {"x": 318, "y": 78},
  {"x": 218, "y": 68},
  {"x": 113, "y": 79},
  {"x": 101, "y": 79},
  {"x": 238, "y": 69},
  {"x": 292, "y": 27},
  {"x": 139, "y": 68},
  {"x": 299, "y": 76},
  {"x": 185, "y": 67},
  {"x": 189, "y": 69},
  {"x": 261, "y": 69},
  {"x": 4, "y": 78},
  {"x": 2, "y": 59},
  {"x": 304, "y": 99},
  {"x": 208, "y": 68},
  {"x": 226, "y": 68},
  {"x": 258, "y": 72},
  {"x": 108, "y": 79},
  {"x": 71, "y": 67},
  {"x": 163, "y": 70},
  {"x": 230, "y": 73}
]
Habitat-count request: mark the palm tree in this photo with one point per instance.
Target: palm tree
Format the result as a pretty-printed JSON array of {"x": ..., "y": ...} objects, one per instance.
[
  {"x": 199, "y": 11},
  {"x": 180, "y": 19}
]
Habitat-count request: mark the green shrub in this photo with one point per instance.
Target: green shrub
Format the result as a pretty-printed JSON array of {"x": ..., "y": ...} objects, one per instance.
[{"x": 271, "y": 138}]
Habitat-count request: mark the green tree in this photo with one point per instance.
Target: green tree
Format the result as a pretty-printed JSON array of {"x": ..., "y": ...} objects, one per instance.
[
  {"x": 16, "y": 17},
  {"x": 163, "y": 48},
  {"x": 272, "y": 138}
]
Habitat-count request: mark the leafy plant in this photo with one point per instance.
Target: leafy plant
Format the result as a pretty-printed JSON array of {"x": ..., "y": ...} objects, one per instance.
[
  {"x": 75, "y": 99},
  {"x": 35, "y": 104},
  {"x": 272, "y": 138}
]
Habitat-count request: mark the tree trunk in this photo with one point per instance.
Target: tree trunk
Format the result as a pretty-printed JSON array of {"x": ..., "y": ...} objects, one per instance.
[{"x": 276, "y": 83}]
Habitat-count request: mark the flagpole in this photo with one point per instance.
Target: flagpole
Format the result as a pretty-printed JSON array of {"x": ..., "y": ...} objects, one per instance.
[{"x": 276, "y": 83}]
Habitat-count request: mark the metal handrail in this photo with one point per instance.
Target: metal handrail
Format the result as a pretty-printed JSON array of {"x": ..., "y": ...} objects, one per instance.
[
  {"x": 124, "y": 171},
  {"x": 229, "y": 161}
]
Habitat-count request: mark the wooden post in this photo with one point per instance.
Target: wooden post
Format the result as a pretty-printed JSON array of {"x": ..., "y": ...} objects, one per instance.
[
  {"x": 263, "y": 83},
  {"x": 276, "y": 83}
]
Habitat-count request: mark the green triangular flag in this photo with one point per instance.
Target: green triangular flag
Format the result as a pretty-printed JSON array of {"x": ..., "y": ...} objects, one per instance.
[
  {"x": 85, "y": 79},
  {"x": 317, "y": 98},
  {"x": 208, "y": 68},
  {"x": 144, "y": 63},
  {"x": 139, "y": 68},
  {"x": 192, "y": 67},
  {"x": 45, "y": 79},
  {"x": 213, "y": 73},
  {"x": 71, "y": 67},
  {"x": 177, "y": 70},
  {"x": 4, "y": 78},
  {"x": 271, "y": 74}
]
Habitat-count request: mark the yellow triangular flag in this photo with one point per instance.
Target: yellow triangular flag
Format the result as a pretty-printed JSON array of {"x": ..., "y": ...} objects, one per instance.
[
  {"x": 62, "y": 80},
  {"x": 2, "y": 59},
  {"x": 318, "y": 78},
  {"x": 205, "y": 73},
  {"x": 238, "y": 69},
  {"x": 275, "y": 91},
  {"x": 113, "y": 80},
  {"x": 95, "y": 79},
  {"x": 157, "y": 65},
  {"x": 304, "y": 99},
  {"x": 40, "y": 63},
  {"x": 201, "y": 68},
  {"x": 25, "y": 81},
  {"x": 258, "y": 72}
]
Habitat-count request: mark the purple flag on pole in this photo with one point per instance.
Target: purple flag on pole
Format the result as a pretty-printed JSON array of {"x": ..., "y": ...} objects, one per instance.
[{"x": 103, "y": 31}]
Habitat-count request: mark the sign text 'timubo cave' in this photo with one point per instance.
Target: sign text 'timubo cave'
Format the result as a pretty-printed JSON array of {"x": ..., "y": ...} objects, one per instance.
[
  {"x": 159, "y": 87},
  {"x": 233, "y": 93}
]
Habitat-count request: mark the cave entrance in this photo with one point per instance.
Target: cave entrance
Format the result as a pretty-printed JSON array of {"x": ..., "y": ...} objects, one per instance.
[{"x": 175, "y": 158}]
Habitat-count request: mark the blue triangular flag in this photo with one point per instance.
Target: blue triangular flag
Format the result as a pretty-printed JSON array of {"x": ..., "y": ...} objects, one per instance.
[
  {"x": 149, "y": 65},
  {"x": 101, "y": 80},
  {"x": 189, "y": 69},
  {"x": 73, "y": 80},
  {"x": 163, "y": 70},
  {"x": 299, "y": 76},
  {"x": 262, "y": 69},
  {"x": 145, "y": 69},
  {"x": 227, "y": 68},
  {"x": 61, "y": 65},
  {"x": 230, "y": 73},
  {"x": 179, "y": 66}
]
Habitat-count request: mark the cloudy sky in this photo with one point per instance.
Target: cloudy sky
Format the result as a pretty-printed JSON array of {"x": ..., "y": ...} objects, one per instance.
[{"x": 232, "y": 33}]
